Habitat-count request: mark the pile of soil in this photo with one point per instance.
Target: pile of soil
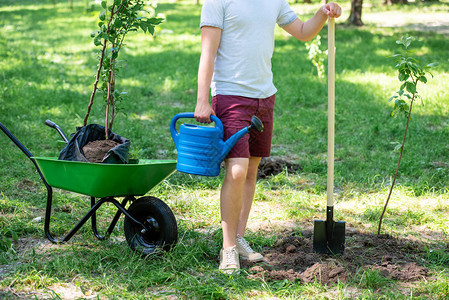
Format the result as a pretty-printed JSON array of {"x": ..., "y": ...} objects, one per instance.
[
  {"x": 272, "y": 166},
  {"x": 96, "y": 150},
  {"x": 292, "y": 258}
]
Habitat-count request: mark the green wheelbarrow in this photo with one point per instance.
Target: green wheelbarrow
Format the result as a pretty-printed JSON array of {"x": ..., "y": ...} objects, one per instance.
[{"x": 149, "y": 223}]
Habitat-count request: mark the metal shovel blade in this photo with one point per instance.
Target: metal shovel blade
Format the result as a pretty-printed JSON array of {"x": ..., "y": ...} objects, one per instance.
[
  {"x": 319, "y": 237},
  {"x": 337, "y": 242},
  {"x": 329, "y": 239}
]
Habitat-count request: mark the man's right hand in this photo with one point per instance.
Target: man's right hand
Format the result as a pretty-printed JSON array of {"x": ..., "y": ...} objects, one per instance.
[{"x": 203, "y": 113}]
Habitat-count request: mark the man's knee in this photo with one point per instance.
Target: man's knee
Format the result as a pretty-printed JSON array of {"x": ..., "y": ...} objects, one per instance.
[
  {"x": 237, "y": 169},
  {"x": 253, "y": 167}
]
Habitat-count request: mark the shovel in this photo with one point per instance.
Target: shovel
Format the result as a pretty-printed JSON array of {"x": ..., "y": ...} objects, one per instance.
[{"x": 329, "y": 236}]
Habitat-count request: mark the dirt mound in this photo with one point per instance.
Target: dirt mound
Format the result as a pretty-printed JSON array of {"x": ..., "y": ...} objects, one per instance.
[
  {"x": 403, "y": 272},
  {"x": 96, "y": 150},
  {"x": 272, "y": 166},
  {"x": 292, "y": 258}
]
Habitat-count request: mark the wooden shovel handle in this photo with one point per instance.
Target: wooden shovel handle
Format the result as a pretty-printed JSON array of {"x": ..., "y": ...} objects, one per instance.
[{"x": 331, "y": 112}]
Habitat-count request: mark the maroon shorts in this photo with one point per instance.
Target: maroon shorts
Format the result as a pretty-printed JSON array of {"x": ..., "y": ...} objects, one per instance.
[{"x": 235, "y": 113}]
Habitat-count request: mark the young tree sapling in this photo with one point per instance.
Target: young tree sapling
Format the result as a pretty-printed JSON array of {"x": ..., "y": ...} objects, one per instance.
[
  {"x": 116, "y": 20},
  {"x": 410, "y": 73}
]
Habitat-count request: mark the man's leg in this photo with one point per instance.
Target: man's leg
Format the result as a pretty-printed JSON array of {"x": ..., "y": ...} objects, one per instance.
[
  {"x": 231, "y": 198},
  {"x": 248, "y": 194},
  {"x": 244, "y": 249}
]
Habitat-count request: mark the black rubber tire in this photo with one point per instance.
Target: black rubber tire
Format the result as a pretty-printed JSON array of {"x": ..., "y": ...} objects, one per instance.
[{"x": 163, "y": 232}]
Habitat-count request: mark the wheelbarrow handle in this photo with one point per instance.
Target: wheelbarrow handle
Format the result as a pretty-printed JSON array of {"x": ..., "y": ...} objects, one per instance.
[
  {"x": 55, "y": 126},
  {"x": 28, "y": 154}
]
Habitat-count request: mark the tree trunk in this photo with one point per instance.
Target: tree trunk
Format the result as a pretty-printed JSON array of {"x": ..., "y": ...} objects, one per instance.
[
  {"x": 391, "y": 2},
  {"x": 355, "y": 18}
]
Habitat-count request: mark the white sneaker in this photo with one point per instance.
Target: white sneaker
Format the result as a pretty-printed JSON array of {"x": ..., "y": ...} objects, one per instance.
[
  {"x": 229, "y": 260},
  {"x": 246, "y": 252}
]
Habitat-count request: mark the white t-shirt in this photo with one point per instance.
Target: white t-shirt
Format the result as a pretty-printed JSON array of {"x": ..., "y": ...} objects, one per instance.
[{"x": 243, "y": 61}]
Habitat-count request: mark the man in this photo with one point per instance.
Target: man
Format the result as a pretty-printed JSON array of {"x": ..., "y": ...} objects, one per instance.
[{"x": 235, "y": 65}]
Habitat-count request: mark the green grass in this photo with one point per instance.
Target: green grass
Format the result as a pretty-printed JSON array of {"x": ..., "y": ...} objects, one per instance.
[{"x": 47, "y": 67}]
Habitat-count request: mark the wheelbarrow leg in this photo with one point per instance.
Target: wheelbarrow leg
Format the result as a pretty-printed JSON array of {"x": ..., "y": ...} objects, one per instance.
[
  {"x": 86, "y": 217},
  {"x": 48, "y": 216},
  {"x": 94, "y": 221},
  {"x": 119, "y": 213},
  {"x": 114, "y": 220}
]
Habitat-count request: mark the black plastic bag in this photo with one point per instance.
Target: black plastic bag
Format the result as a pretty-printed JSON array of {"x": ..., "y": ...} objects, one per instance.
[{"x": 73, "y": 151}]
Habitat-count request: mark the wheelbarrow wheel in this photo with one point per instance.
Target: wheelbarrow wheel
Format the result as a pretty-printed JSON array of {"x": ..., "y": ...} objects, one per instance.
[{"x": 161, "y": 231}]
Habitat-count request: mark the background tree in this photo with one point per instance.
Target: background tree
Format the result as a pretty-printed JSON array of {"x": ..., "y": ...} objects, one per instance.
[
  {"x": 391, "y": 2},
  {"x": 355, "y": 18}
]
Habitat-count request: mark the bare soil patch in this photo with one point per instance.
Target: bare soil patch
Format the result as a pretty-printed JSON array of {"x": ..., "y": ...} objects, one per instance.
[
  {"x": 292, "y": 258},
  {"x": 272, "y": 166}
]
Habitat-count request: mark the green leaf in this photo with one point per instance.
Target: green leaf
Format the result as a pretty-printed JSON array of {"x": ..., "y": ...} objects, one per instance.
[
  {"x": 118, "y": 23},
  {"x": 102, "y": 16},
  {"x": 151, "y": 29},
  {"x": 155, "y": 21},
  {"x": 411, "y": 87},
  {"x": 104, "y": 4},
  {"x": 423, "y": 79},
  {"x": 409, "y": 40},
  {"x": 415, "y": 68},
  {"x": 402, "y": 88},
  {"x": 97, "y": 41},
  {"x": 144, "y": 27},
  {"x": 432, "y": 65},
  {"x": 399, "y": 42},
  {"x": 399, "y": 103},
  {"x": 397, "y": 147},
  {"x": 403, "y": 76},
  {"x": 392, "y": 97}
]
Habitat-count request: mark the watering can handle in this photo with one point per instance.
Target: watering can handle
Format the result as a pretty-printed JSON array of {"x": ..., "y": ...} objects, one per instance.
[{"x": 190, "y": 115}]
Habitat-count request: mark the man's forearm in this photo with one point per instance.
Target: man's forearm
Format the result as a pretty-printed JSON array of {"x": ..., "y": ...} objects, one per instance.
[
  {"x": 314, "y": 25},
  {"x": 305, "y": 31},
  {"x": 205, "y": 72},
  {"x": 308, "y": 30}
]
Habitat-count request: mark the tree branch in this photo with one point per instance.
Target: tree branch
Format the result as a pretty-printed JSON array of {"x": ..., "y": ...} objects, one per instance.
[{"x": 100, "y": 66}]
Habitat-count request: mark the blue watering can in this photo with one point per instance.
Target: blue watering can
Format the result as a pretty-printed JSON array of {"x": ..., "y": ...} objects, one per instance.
[{"x": 201, "y": 149}]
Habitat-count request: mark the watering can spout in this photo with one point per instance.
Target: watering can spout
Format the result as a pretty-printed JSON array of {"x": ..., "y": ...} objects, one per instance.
[{"x": 256, "y": 124}]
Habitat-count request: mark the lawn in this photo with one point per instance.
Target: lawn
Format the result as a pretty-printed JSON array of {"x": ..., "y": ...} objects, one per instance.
[{"x": 47, "y": 68}]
